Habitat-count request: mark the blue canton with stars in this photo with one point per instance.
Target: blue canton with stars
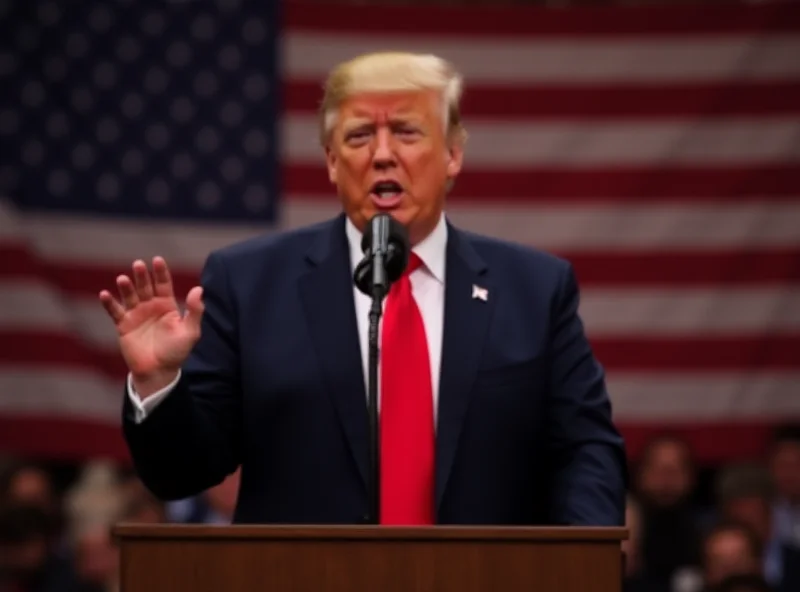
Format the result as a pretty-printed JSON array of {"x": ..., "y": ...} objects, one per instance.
[{"x": 163, "y": 109}]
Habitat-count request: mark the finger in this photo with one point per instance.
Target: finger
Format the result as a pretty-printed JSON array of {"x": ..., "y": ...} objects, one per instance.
[
  {"x": 194, "y": 309},
  {"x": 114, "y": 309},
  {"x": 141, "y": 278},
  {"x": 127, "y": 291},
  {"x": 163, "y": 279}
]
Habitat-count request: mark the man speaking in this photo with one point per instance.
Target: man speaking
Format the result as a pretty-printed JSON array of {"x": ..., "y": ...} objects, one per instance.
[{"x": 492, "y": 408}]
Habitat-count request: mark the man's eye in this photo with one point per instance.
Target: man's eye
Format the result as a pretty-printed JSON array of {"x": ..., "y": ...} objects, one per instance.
[{"x": 359, "y": 135}]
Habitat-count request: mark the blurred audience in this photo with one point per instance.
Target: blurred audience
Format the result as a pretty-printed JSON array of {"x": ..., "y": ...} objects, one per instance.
[
  {"x": 743, "y": 583},
  {"x": 670, "y": 530},
  {"x": 30, "y": 560},
  {"x": 745, "y": 496},
  {"x": 731, "y": 549},
  {"x": 28, "y": 483},
  {"x": 54, "y": 543},
  {"x": 214, "y": 506},
  {"x": 56, "y": 538},
  {"x": 784, "y": 464},
  {"x": 751, "y": 539},
  {"x": 631, "y": 546}
]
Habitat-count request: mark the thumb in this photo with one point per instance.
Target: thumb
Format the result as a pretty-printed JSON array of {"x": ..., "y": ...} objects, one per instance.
[{"x": 194, "y": 308}]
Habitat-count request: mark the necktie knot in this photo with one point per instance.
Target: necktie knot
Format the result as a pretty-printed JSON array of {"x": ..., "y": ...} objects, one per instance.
[{"x": 414, "y": 262}]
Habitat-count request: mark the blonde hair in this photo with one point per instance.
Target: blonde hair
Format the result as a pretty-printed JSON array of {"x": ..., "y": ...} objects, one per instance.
[{"x": 388, "y": 72}]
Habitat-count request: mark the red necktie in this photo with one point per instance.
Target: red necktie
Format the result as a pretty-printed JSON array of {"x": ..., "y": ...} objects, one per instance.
[{"x": 406, "y": 415}]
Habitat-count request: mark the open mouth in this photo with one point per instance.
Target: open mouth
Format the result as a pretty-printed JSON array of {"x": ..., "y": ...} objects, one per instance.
[
  {"x": 386, "y": 194},
  {"x": 387, "y": 189}
]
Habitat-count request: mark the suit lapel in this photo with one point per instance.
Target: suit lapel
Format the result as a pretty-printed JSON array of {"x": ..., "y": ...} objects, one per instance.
[
  {"x": 327, "y": 296},
  {"x": 466, "y": 320}
]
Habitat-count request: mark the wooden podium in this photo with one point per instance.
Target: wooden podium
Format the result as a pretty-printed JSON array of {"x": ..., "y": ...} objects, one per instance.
[{"x": 189, "y": 558}]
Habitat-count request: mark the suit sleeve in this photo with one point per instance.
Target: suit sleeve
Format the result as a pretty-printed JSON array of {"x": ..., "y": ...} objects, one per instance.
[
  {"x": 191, "y": 440},
  {"x": 587, "y": 452}
]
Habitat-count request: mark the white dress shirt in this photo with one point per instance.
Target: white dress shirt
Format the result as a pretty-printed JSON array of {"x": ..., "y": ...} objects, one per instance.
[{"x": 427, "y": 286}]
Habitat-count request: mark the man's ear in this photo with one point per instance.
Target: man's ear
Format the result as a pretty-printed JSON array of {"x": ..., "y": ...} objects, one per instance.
[
  {"x": 330, "y": 161},
  {"x": 455, "y": 158}
]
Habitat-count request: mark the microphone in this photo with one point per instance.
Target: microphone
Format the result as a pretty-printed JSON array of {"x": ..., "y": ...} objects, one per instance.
[{"x": 386, "y": 250}]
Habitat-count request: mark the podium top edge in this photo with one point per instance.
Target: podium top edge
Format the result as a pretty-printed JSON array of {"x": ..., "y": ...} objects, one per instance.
[{"x": 389, "y": 533}]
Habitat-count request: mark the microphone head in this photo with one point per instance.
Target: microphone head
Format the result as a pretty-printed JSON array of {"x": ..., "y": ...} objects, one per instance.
[
  {"x": 398, "y": 246},
  {"x": 383, "y": 233}
]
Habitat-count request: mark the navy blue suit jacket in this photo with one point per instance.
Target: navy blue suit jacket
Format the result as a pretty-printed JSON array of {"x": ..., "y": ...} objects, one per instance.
[{"x": 275, "y": 384}]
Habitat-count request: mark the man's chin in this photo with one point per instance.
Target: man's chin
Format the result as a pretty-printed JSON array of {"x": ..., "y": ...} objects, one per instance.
[{"x": 402, "y": 214}]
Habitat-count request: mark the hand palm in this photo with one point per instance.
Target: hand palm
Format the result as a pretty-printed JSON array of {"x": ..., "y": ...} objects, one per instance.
[{"x": 153, "y": 336}]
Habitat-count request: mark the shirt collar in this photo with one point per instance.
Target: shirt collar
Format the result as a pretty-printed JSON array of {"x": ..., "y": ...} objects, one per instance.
[{"x": 431, "y": 250}]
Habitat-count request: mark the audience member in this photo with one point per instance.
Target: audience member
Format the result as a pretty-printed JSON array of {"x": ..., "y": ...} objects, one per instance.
[
  {"x": 29, "y": 558},
  {"x": 745, "y": 494},
  {"x": 28, "y": 483},
  {"x": 670, "y": 540},
  {"x": 784, "y": 463},
  {"x": 94, "y": 504},
  {"x": 730, "y": 549},
  {"x": 50, "y": 544}
]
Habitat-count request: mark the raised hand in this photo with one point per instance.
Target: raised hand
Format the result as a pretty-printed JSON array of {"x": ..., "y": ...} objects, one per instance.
[{"x": 154, "y": 337}]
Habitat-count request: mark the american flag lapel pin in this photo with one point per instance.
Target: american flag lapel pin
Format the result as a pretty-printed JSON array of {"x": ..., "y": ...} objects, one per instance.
[{"x": 480, "y": 293}]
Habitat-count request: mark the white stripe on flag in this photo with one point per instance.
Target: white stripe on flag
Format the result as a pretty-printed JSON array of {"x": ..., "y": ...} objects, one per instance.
[
  {"x": 81, "y": 394},
  {"x": 708, "y": 312},
  {"x": 684, "y": 58},
  {"x": 704, "y": 397}
]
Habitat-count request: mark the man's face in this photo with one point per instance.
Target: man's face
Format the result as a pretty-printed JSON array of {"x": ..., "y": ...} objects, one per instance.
[
  {"x": 389, "y": 153},
  {"x": 727, "y": 554},
  {"x": 33, "y": 487},
  {"x": 666, "y": 475}
]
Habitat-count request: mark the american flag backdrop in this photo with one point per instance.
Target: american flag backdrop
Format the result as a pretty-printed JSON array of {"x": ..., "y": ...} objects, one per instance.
[{"x": 656, "y": 148}]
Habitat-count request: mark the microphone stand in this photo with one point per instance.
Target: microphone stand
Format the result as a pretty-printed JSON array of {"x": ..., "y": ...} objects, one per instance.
[
  {"x": 380, "y": 287},
  {"x": 374, "y": 433}
]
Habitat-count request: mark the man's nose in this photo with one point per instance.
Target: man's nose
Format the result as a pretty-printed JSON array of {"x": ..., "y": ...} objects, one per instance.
[{"x": 383, "y": 155}]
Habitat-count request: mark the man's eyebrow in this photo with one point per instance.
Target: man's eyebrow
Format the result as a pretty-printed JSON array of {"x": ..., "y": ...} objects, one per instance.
[{"x": 355, "y": 123}]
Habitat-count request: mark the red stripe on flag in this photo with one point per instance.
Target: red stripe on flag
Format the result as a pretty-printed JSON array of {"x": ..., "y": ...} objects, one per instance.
[
  {"x": 77, "y": 278},
  {"x": 690, "y": 353},
  {"x": 724, "y": 184},
  {"x": 734, "y": 267},
  {"x": 51, "y": 349},
  {"x": 532, "y": 22},
  {"x": 525, "y": 102},
  {"x": 74, "y": 440},
  {"x": 62, "y": 438}
]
